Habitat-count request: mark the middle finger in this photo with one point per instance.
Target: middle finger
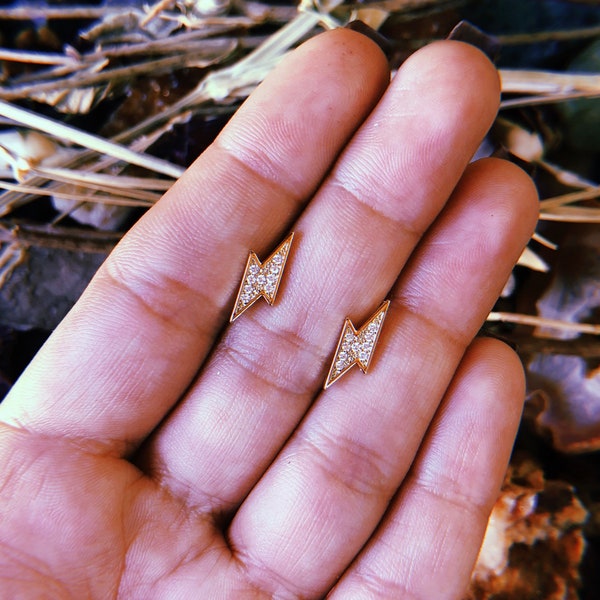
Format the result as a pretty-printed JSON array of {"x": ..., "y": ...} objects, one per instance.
[{"x": 351, "y": 243}]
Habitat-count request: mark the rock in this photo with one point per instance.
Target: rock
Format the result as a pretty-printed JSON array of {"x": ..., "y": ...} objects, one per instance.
[{"x": 40, "y": 291}]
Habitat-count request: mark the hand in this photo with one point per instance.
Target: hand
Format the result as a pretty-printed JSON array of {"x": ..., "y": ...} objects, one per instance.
[{"x": 153, "y": 451}]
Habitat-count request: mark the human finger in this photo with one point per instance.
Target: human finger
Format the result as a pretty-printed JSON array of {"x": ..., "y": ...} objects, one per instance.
[
  {"x": 133, "y": 343},
  {"x": 428, "y": 542},
  {"x": 351, "y": 243},
  {"x": 331, "y": 484}
]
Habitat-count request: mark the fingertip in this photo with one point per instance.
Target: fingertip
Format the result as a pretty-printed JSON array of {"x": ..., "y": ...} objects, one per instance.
[
  {"x": 462, "y": 73},
  {"x": 501, "y": 366},
  {"x": 522, "y": 186},
  {"x": 495, "y": 378},
  {"x": 354, "y": 49},
  {"x": 511, "y": 186},
  {"x": 481, "y": 69},
  {"x": 483, "y": 405}
]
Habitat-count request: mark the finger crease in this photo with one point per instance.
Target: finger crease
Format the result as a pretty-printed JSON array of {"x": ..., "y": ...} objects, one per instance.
[
  {"x": 160, "y": 311},
  {"x": 280, "y": 189},
  {"x": 408, "y": 230},
  {"x": 247, "y": 350},
  {"x": 357, "y": 467},
  {"x": 458, "y": 339},
  {"x": 256, "y": 369},
  {"x": 460, "y": 500},
  {"x": 382, "y": 588}
]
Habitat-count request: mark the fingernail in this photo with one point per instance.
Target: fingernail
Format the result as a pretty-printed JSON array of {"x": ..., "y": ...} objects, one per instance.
[
  {"x": 375, "y": 36},
  {"x": 467, "y": 32},
  {"x": 487, "y": 333}
]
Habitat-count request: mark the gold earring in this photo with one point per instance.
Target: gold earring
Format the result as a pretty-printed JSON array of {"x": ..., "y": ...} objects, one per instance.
[
  {"x": 261, "y": 279},
  {"x": 355, "y": 347}
]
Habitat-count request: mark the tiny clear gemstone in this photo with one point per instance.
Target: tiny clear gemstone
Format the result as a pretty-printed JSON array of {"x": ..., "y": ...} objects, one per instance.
[
  {"x": 251, "y": 279},
  {"x": 254, "y": 269},
  {"x": 356, "y": 347},
  {"x": 261, "y": 280},
  {"x": 277, "y": 259}
]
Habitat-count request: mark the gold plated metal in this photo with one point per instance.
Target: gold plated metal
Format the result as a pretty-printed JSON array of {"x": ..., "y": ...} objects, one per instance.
[
  {"x": 261, "y": 279},
  {"x": 356, "y": 347}
]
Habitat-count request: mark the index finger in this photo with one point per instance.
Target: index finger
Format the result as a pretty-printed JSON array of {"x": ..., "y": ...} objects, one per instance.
[{"x": 133, "y": 343}]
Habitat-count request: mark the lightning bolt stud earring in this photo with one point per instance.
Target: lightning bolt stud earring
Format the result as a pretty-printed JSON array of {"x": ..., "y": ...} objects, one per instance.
[
  {"x": 261, "y": 279},
  {"x": 356, "y": 347}
]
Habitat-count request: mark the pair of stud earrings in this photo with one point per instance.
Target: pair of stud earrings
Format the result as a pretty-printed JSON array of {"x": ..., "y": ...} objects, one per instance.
[{"x": 262, "y": 280}]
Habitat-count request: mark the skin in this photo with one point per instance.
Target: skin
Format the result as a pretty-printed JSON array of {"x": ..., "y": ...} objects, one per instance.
[{"x": 151, "y": 450}]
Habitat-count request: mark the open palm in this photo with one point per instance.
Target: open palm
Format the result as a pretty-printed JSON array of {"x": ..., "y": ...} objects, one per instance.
[{"x": 152, "y": 450}]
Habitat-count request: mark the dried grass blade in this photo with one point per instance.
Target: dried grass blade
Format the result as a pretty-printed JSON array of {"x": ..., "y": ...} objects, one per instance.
[
  {"x": 81, "y": 138},
  {"x": 146, "y": 196},
  {"x": 98, "y": 198},
  {"x": 532, "y": 261},
  {"x": 56, "y": 73},
  {"x": 567, "y": 177},
  {"x": 10, "y": 258},
  {"x": 572, "y": 214},
  {"x": 36, "y": 58},
  {"x": 546, "y": 99},
  {"x": 534, "y": 321},
  {"x": 87, "y": 79},
  {"x": 25, "y": 13},
  {"x": 182, "y": 42},
  {"x": 564, "y": 199},
  {"x": 106, "y": 180},
  {"x": 12, "y": 199},
  {"x": 548, "y": 82},
  {"x": 540, "y": 239}
]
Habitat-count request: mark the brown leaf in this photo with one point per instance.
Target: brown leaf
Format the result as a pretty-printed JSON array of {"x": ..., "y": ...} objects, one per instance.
[{"x": 534, "y": 543}]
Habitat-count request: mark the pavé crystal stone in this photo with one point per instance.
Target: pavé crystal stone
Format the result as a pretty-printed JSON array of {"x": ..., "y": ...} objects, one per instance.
[
  {"x": 261, "y": 279},
  {"x": 356, "y": 347}
]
